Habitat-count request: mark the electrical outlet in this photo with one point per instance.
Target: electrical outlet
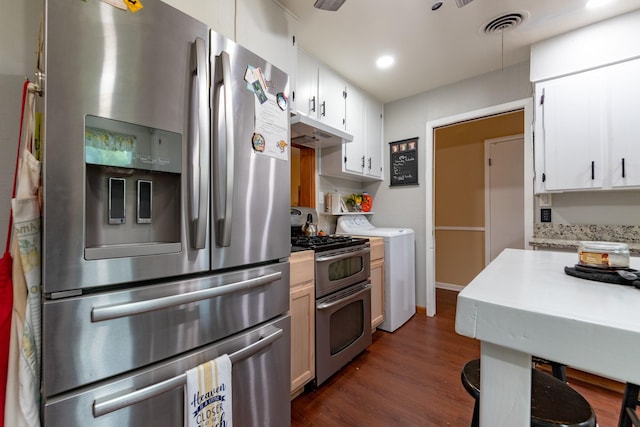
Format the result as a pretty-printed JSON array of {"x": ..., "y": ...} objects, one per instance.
[
  {"x": 321, "y": 198},
  {"x": 544, "y": 200},
  {"x": 545, "y": 215}
]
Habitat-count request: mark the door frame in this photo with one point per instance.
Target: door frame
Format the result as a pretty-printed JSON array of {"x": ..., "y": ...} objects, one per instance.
[
  {"x": 487, "y": 192},
  {"x": 525, "y": 104}
]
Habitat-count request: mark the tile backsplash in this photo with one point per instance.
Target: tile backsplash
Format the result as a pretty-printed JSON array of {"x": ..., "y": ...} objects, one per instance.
[{"x": 567, "y": 236}]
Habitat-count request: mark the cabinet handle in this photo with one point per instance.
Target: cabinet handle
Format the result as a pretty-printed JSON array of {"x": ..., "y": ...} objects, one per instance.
[
  {"x": 312, "y": 101},
  {"x": 593, "y": 170},
  {"x": 623, "y": 168},
  {"x": 323, "y": 109},
  {"x": 362, "y": 162},
  {"x": 369, "y": 163}
]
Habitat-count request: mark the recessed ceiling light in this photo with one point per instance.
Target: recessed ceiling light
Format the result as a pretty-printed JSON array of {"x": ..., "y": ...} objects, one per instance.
[
  {"x": 594, "y": 4},
  {"x": 436, "y": 5},
  {"x": 385, "y": 61}
]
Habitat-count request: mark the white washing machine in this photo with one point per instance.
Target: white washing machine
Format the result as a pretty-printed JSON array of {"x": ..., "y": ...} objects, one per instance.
[{"x": 399, "y": 267}]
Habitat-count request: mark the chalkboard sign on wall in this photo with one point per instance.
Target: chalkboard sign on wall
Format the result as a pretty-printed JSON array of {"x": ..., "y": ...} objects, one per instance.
[{"x": 403, "y": 158}]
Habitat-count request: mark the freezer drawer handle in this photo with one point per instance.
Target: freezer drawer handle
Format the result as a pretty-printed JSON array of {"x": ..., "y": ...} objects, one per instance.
[
  {"x": 99, "y": 314},
  {"x": 104, "y": 406}
]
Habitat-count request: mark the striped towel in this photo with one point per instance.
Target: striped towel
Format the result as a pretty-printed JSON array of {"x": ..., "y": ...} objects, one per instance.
[{"x": 208, "y": 394}]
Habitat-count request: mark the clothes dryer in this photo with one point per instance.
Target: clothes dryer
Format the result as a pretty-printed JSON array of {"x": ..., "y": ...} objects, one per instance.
[{"x": 399, "y": 267}]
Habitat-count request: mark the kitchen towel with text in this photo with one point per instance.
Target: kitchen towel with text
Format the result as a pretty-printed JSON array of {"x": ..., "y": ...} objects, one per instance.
[{"x": 208, "y": 394}]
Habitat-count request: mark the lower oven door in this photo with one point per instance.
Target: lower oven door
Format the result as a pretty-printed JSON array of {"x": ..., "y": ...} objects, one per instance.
[
  {"x": 343, "y": 328},
  {"x": 155, "y": 396}
]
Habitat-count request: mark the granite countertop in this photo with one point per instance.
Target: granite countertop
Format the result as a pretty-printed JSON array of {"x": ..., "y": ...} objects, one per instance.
[{"x": 567, "y": 236}]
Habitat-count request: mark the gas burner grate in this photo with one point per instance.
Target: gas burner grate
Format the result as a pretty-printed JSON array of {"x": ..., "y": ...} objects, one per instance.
[{"x": 319, "y": 243}]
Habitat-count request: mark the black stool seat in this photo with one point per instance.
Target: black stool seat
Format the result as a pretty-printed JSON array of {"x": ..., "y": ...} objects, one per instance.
[{"x": 553, "y": 402}]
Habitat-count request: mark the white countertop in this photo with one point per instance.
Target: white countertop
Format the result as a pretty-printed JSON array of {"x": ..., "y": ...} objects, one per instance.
[{"x": 524, "y": 304}]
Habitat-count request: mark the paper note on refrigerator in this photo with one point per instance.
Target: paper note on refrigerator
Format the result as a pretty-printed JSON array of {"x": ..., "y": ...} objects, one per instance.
[{"x": 271, "y": 131}]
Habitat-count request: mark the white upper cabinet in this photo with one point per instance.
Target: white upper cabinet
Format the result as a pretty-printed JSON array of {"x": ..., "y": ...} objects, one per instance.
[
  {"x": 374, "y": 147},
  {"x": 587, "y": 130},
  {"x": 624, "y": 128},
  {"x": 569, "y": 120},
  {"x": 268, "y": 30},
  {"x": 262, "y": 26},
  {"x": 320, "y": 92},
  {"x": 331, "y": 98},
  {"x": 218, "y": 15},
  {"x": 354, "y": 152},
  {"x": 306, "y": 90},
  {"x": 360, "y": 159}
]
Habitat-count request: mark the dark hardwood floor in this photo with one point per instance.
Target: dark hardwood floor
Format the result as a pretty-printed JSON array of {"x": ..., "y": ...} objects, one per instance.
[{"x": 412, "y": 378}]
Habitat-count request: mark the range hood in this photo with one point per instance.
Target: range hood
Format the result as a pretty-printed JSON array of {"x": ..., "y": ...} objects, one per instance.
[{"x": 309, "y": 132}]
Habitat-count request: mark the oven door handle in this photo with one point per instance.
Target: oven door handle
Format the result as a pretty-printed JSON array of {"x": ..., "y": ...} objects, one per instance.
[
  {"x": 327, "y": 305},
  {"x": 99, "y": 314},
  {"x": 104, "y": 406},
  {"x": 343, "y": 255}
]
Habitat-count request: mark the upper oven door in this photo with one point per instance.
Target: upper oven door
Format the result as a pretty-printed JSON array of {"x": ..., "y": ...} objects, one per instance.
[{"x": 338, "y": 269}]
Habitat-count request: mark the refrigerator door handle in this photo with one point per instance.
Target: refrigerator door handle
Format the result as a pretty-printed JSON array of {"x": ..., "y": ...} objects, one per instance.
[
  {"x": 100, "y": 314},
  {"x": 199, "y": 144},
  {"x": 224, "y": 162},
  {"x": 104, "y": 406}
]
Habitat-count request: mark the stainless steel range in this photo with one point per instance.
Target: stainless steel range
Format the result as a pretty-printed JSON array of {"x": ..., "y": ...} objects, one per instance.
[{"x": 343, "y": 295}]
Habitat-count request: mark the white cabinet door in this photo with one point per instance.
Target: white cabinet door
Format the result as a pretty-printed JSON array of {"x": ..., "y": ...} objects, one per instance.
[
  {"x": 218, "y": 15},
  {"x": 306, "y": 99},
  {"x": 331, "y": 90},
  {"x": 374, "y": 153},
  {"x": 572, "y": 120},
  {"x": 354, "y": 151},
  {"x": 268, "y": 30},
  {"x": 360, "y": 159},
  {"x": 624, "y": 124}
]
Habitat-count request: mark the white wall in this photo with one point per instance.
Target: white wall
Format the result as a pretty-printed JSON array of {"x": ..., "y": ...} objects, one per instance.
[
  {"x": 602, "y": 208},
  {"x": 603, "y": 43},
  {"x": 406, "y": 118},
  {"x": 19, "y": 22}
]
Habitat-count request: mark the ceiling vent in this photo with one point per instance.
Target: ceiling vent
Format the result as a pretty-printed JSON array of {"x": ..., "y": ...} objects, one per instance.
[
  {"x": 461, "y": 3},
  {"x": 507, "y": 21},
  {"x": 331, "y": 5}
]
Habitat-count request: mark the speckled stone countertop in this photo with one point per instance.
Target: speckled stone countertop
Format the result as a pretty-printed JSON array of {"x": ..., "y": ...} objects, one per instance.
[{"x": 565, "y": 236}]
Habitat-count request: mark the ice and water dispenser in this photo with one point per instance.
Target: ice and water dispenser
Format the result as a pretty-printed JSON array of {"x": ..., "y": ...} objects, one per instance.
[{"x": 133, "y": 189}]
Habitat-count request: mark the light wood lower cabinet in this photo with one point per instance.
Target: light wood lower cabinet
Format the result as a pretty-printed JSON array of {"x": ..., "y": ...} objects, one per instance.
[
  {"x": 377, "y": 281},
  {"x": 302, "y": 310}
]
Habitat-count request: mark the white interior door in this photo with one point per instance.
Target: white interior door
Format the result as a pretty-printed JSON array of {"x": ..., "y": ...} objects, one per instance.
[{"x": 504, "y": 195}]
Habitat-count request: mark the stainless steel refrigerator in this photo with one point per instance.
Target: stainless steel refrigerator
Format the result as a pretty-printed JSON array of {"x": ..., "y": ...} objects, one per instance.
[{"x": 165, "y": 225}]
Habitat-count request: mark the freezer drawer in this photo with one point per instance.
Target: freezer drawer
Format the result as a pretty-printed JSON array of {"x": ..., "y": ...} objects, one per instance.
[
  {"x": 154, "y": 396},
  {"x": 91, "y": 338}
]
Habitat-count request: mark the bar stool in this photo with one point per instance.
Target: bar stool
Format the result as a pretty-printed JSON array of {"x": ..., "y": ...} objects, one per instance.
[
  {"x": 553, "y": 402},
  {"x": 558, "y": 370},
  {"x": 630, "y": 400}
]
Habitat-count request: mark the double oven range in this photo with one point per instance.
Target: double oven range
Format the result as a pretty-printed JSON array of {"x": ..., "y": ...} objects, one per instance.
[{"x": 343, "y": 295}]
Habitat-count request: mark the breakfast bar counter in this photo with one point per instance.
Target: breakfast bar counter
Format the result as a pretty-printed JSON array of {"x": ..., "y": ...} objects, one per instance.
[{"x": 524, "y": 304}]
